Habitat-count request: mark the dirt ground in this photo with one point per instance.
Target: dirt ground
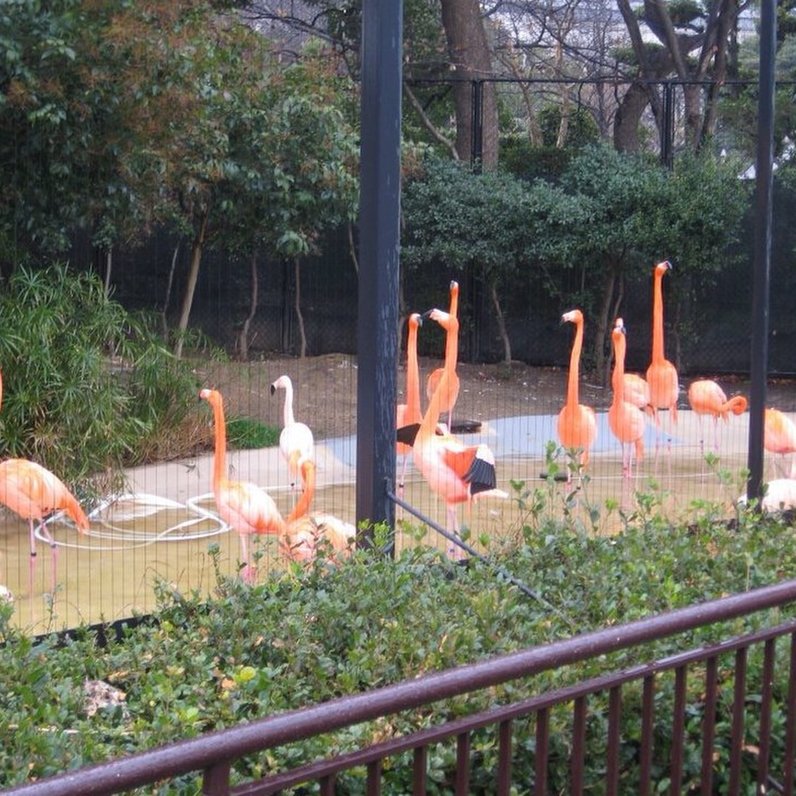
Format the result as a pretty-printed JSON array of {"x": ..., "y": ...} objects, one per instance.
[{"x": 326, "y": 386}]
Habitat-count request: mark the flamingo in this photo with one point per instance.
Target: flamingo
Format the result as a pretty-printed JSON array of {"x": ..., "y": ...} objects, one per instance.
[
  {"x": 779, "y": 435},
  {"x": 34, "y": 493},
  {"x": 636, "y": 391},
  {"x": 577, "y": 424},
  {"x": 457, "y": 473},
  {"x": 244, "y": 506},
  {"x": 661, "y": 374},
  {"x": 409, "y": 413},
  {"x": 446, "y": 321},
  {"x": 295, "y": 441},
  {"x": 305, "y": 531},
  {"x": 625, "y": 419},
  {"x": 706, "y": 398}
]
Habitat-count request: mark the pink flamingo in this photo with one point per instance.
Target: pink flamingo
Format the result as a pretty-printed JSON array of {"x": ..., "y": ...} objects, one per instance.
[
  {"x": 244, "y": 506},
  {"x": 625, "y": 419},
  {"x": 779, "y": 435},
  {"x": 295, "y": 440},
  {"x": 446, "y": 321},
  {"x": 661, "y": 374},
  {"x": 34, "y": 493},
  {"x": 457, "y": 473},
  {"x": 706, "y": 398},
  {"x": 577, "y": 424},
  {"x": 409, "y": 413}
]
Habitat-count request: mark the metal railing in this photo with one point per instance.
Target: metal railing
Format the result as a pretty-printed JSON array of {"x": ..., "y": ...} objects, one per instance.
[{"x": 215, "y": 753}]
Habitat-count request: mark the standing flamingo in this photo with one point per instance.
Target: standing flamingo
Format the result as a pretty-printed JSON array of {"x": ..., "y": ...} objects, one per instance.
[
  {"x": 242, "y": 505},
  {"x": 457, "y": 473},
  {"x": 450, "y": 323},
  {"x": 706, "y": 398},
  {"x": 34, "y": 493},
  {"x": 577, "y": 424},
  {"x": 625, "y": 419},
  {"x": 780, "y": 435},
  {"x": 409, "y": 413},
  {"x": 295, "y": 441},
  {"x": 305, "y": 532},
  {"x": 661, "y": 374},
  {"x": 636, "y": 391}
]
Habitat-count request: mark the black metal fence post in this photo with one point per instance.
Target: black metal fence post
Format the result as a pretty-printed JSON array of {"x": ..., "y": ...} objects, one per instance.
[
  {"x": 377, "y": 345},
  {"x": 477, "y": 125}
]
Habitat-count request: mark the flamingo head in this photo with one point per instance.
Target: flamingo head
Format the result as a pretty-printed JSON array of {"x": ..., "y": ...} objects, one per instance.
[
  {"x": 415, "y": 320},
  {"x": 444, "y": 319},
  {"x": 454, "y": 288},
  {"x": 619, "y": 326},
  {"x": 282, "y": 382},
  {"x": 662, "y": 268},
  {"x": 211, "y": 396},
  {"x": 573, "y": 316}
]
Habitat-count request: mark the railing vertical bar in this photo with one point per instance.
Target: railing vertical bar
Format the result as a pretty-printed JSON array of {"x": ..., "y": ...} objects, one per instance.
[
  {"x": 647, "y": 735},
  {"x": 542, "y": 748},
  {"x": 463, "y": 764},
  {"x": 614, "y": 734},
  {"x": 709, "y": 724},
  {"x": 419, "y": 771},
  {"x": 736, "y": 742},
  {"x": 678, "y": 730},
  {"x": 578, "y": 746},
  {"x": 790, "y": 724},
  {"x": 327, "y": 785},
  {"x": 373, "y": 787},
  {"x": 766, "y": 694},
  {"x": 504, "y": 759},
  {"x": 215, "y": 780}
]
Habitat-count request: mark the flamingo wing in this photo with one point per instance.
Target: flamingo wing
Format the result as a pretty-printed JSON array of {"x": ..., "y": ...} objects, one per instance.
[
  {"x": 474, "y": 465},
  {"x": 248, "y": 508}
]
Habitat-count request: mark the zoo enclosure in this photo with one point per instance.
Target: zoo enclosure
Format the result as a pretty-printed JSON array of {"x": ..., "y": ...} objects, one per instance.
[{"x": 629, "y": 743}]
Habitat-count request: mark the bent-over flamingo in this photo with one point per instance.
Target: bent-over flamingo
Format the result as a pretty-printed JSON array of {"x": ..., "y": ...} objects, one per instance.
[
  {"x": 445, "y": 320},
  {"x": 661, "y": 374},
  {"x": 779, "y": 435},
  {"x": 705, "y": 397},
  {"x": 624, "y": 418},
  {"x": 306, "y": 532},
  {"x": 577, "y": 424},
  {"x": 409, "y": 413},
  {"x": 295, "y": 440},
  {"x": 34, "y": 493},
  {"x": 243, "y": 505},
  {"x": 457, "y": 473}
]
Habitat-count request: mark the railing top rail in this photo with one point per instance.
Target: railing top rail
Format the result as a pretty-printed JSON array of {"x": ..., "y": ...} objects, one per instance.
[{"x": 229, "y": 744}]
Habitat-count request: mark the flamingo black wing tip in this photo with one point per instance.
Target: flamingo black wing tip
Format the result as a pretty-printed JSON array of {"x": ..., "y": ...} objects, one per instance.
[{"x": 407, "y": 434}]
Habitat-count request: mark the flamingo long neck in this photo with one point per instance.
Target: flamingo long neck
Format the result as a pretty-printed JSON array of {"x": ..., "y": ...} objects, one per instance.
[
  {"x": 657, "y": 319},
  {"x": 302, "y": 506},
  {"x": 288, "y": 411},
  {"x": 574, "y": 366},
  {"x": 412, "y": 374},
  {"x": 620, "y": 346},
  {"x": 452, "y": 344},
  {"x": 428, "y": 426},
  {"x": 220, "y": 455}
]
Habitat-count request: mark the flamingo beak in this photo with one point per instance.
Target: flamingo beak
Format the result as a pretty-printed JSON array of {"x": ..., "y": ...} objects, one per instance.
[
  {"x": 426, "y": 315},
  {"x": 273, "y": 389}
]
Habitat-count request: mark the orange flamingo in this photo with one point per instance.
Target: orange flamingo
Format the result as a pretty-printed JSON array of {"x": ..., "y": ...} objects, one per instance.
[
  {"x": 295, "y": 440},
  {"x": 305, "y": 532},
  {"x": 34, "y": 493},
  {"x": 779, "y": 435},
  {"x": 706, "y": 398},
  {"x": 242, "y": 505},
  {"x": 625, "y": 419},
  {"x": 409, "y": 413},
  {"x": 636, "y": 391},
  {"x": 577, "y": 424},
  {"x": 661, "y": 374},
  {"x": 445, "y": 320},
  {"x": 457, "y": 473}
]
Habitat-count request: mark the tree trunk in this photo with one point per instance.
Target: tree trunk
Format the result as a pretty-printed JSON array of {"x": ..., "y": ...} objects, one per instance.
[
  {"x": 164, "y": 312},
  {"x": 190, "y": 287},
  {"x": 243, "y": 336},
  {"x": 108, "y": 270},
  {"x": 501, "y": 322},
  {"x": 601, "y": 332},
  {"x": 471, "y": 60},
  {"x": 299, "y": 316}
]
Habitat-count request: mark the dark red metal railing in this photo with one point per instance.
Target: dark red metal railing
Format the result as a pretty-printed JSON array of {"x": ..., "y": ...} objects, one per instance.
[{"x": 215, "y": 753}]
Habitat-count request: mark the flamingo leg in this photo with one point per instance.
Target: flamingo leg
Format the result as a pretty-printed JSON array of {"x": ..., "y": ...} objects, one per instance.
[
  {"x": 454, "y": 551},
  {"x": 247, "y": 573},
  {"x": 32, "y": 559},
  {"x": 54, "y": 553}
]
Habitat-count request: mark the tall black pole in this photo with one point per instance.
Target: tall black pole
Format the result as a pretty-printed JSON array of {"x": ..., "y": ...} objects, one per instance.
[
  {"x": 379, "y": 239},
  {"x": 762, "y": 259}
]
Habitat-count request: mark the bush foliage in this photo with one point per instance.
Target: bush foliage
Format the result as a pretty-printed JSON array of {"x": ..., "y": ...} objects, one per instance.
[{"x": 307, "y": 636}]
